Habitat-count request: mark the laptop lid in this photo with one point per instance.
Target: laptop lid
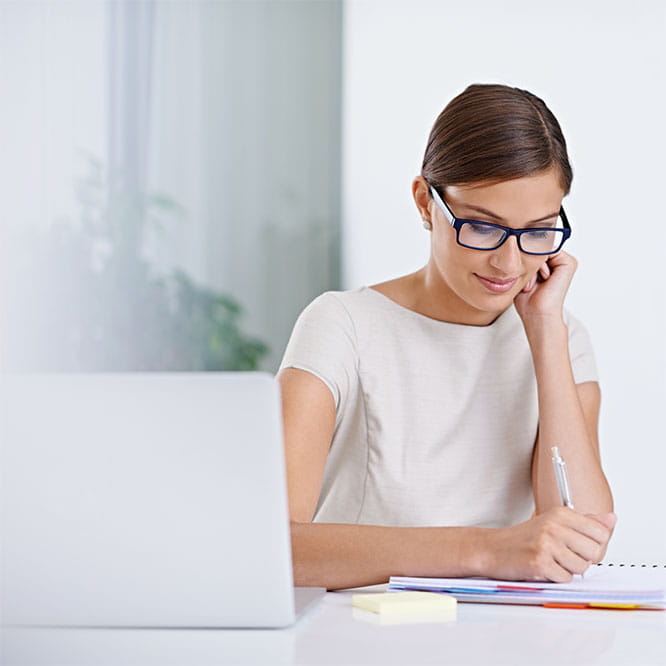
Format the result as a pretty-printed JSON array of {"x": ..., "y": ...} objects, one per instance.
[{"x": 148, "y": 499}]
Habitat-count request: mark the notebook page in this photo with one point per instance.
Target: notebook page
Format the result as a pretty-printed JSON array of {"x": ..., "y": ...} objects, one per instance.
[
  {"x": 598, "y": 578},
  {"x": 632, "y": 578}
]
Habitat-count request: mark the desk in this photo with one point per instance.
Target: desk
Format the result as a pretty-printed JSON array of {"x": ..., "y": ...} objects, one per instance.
[{"x": 483, "y": 634}]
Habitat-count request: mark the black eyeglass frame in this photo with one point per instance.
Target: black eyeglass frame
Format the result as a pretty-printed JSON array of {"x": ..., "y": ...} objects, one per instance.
[{"x": 457, "y": 223}]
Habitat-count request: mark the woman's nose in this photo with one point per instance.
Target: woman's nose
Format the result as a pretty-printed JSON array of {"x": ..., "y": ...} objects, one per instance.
[{"x": 507, "y": 257}]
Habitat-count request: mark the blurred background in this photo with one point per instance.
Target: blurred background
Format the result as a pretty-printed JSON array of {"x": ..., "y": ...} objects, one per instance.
[
  {"x": 179, "y": 179},
  {"x": 177, "y": 166}
]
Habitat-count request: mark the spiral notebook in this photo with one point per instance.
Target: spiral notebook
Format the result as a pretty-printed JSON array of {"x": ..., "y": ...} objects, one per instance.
[{"x": 605, "y": 585}]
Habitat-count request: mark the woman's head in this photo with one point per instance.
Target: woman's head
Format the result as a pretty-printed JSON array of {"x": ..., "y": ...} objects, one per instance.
[
  {"x": 494, "y": 133},
  {"x": 495, "y": 155}
]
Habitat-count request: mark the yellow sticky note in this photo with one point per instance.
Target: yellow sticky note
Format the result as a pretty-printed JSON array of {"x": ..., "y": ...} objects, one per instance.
[
  {"x": 405, "y": 603},
  {"x": 430, "y": 617}
]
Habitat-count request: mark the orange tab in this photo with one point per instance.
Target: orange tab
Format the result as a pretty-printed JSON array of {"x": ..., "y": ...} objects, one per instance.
[{"x": 556, "y": 605}]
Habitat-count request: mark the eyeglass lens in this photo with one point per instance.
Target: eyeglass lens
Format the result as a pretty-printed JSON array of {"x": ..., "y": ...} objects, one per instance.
[{"x": 486, "y": 236}]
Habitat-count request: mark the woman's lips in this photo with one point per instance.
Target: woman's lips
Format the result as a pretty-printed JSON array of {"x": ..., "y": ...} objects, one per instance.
[{"x": 497, "y": 285}]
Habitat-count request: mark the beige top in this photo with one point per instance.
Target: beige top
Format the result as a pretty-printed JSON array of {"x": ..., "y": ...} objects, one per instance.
[{"x": 435, "y": 422}]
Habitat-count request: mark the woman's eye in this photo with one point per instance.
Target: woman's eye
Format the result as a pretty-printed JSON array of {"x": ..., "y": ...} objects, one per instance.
[{"x": 481, "y": 228}]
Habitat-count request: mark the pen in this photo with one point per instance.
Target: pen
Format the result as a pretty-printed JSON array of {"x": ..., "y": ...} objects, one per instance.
[{"x": 560, "y": 468}]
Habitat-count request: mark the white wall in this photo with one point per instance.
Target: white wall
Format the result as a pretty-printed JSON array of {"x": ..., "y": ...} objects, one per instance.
[{"x": 600, "y": 66}]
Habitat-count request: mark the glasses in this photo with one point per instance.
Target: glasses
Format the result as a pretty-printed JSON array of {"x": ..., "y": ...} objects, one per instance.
[{"x": 488, "y": 236}]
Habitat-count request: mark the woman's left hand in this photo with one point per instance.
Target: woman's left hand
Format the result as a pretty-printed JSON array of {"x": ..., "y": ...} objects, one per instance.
[{"x": 544, "y": 294}]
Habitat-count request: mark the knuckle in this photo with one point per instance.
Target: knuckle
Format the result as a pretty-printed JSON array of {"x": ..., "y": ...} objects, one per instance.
[
  {"x": 539, "y": 565},
  {"x": 550, "y": 530}
]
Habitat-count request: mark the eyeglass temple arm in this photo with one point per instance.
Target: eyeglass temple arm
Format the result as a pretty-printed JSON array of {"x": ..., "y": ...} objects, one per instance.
[
  {"x": 565, "y": 220},
  {"x": 442, "y": 206}
]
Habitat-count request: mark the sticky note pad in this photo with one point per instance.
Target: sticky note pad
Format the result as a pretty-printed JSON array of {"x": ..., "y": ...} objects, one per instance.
[{"x": 405, "y": 603}]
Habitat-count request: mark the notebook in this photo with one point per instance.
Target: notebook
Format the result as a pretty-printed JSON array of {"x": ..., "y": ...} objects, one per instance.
[
  {"x": 147, "y": 499},
  {"x": 605, "y": 585}
]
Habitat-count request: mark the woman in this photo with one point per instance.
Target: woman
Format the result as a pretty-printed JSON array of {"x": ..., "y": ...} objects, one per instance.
[{"x": 420, "y": 413}]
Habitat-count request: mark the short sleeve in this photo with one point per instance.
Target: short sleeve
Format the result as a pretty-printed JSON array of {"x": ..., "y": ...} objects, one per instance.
[
  {"x": 323, "y": 342},
  {"x": 583, "y": 363}
]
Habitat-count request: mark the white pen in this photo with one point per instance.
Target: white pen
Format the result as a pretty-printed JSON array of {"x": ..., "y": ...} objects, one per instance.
[{"x": 560, "y": 468}]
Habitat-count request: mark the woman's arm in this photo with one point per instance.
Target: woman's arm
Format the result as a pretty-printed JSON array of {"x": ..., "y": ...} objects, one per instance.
[
  {"x": 568, "y": 413},
  {"x": 568, "y": 418},
  {"x": 548, "y": 547}
]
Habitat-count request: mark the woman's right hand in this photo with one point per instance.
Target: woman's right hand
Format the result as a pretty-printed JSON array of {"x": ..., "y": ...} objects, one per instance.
[{"x": 549, "y": 547}]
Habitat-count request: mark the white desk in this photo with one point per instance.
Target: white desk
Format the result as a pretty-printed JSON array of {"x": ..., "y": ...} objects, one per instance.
[{"x": 483, "y": 634}]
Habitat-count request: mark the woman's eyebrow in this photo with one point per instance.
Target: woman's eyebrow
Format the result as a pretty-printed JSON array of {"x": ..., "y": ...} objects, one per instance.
[{"x": 479, "y": 209}]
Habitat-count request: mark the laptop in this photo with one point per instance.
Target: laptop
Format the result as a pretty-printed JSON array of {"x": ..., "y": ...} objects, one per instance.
[{"x": 145, "y": 500}]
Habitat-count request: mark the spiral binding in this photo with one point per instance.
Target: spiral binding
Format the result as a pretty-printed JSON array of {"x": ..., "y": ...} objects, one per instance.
[{"x": 631, "y": 564}]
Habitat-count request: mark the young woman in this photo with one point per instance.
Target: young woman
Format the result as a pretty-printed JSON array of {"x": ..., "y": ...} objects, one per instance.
[{"x": 420, "y": 413}]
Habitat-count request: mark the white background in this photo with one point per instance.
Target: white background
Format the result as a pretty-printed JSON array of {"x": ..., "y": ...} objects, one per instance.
[{"x": 600, "y": 68}]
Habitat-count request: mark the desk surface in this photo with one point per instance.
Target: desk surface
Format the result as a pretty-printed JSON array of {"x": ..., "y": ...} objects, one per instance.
[{"x": 330, "y": 633}]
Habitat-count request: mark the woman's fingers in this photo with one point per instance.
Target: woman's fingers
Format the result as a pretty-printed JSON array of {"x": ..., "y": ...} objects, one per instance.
[
  {"x": 559, "y": 574},
  {"x": 587, "y": 525},
  {"x": 530, "y": 285},
  {"x": 584, "y": 540},
  {"x": 551, "y": 546},
  {"x": 607, "y": 519},
  {"x": 584, "y": 547},
  {"x": 584, "y": 536},
  {"x": 561, "y": 259},
  {"x": 594, "y": 526},
  {"x": 571, "y": 562}
]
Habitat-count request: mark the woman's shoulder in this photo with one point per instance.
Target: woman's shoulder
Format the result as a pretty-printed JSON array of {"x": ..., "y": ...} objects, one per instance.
[
  {"x": 337, "y": 302},
  {"x": 383, "y": 302},
  {"x": 333, "y": 310},
  {"x": 355, "y": 311}
]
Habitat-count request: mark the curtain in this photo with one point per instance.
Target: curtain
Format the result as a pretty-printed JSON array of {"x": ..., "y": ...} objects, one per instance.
[
  {"x": 229, "y": 112},
  {"x": 233, "y": 109}
]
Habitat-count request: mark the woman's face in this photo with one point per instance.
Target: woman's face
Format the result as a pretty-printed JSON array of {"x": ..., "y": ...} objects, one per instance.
[{"x": 480, "y": 285}]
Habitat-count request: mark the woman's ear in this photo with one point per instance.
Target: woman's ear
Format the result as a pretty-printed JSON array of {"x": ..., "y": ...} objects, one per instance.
[{"x": 422, "y": 198}]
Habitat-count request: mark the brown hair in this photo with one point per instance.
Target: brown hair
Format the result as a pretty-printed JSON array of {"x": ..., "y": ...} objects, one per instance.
[{"x": 491, "y": 133}]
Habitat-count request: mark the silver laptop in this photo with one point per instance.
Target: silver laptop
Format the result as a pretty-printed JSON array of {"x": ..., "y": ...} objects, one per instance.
[{"x": 150, "y": 499}]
